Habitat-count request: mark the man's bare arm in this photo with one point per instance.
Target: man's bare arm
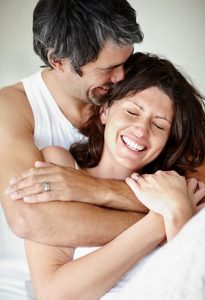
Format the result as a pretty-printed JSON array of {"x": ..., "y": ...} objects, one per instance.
[
  {"x": 56, "y": 223},
  {"x": 68, "y": 184}
]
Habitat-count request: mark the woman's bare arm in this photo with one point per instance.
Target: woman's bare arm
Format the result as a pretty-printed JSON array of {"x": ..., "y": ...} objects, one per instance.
[{"x": 56, "y": 277}]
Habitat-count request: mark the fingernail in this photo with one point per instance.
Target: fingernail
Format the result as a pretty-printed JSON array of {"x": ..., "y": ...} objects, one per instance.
[
  {"x": 15, "y": 196},
  {"x": 26, "y": 199},
  {"x": 40, "y": 164},
  {"x": 13, "y": 180},
  {"x": 8, "y": 191}
]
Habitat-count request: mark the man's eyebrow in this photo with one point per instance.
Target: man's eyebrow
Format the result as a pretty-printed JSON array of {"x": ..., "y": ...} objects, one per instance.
[
  {"x": 116, "y": 66},
  {"x": 112, "y": 67}
]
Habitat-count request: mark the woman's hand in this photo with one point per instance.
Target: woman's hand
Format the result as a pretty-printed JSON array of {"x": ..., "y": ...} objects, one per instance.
[
  {"x": 161, "y": 192},
  {"x": 165, "y": 193},
  {"x": 196, "y": 190}
]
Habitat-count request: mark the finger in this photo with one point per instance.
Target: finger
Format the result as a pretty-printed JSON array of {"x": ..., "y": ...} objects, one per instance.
[
  {"x": 43, "y": 197},
  {"x": 201, "y": 184},
  {"x": 42, "y": 164},
  {"x": 30, "y": 182},
  {"x": 171, "y": 172},
  {"x": 192, "y": 184},
  {"x": 192, "y": 180},
  {"x": 135, "y": 177},
  {"x": 199, "y": 195},
  {"x": 32, "y": 172},
  {"x": 132, "y": 184},
  {"x": 200, "y": 207},
  {"x": 36, "y": 189}
]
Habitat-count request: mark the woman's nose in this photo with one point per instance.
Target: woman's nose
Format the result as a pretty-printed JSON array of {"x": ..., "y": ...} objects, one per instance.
[{"x": 142, "y": 129}]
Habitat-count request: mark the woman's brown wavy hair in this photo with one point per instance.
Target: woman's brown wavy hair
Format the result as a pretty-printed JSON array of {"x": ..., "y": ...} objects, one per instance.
[{"x": 185, "y": 148}]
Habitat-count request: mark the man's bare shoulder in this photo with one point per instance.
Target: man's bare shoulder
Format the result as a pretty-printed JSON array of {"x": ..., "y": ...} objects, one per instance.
[
  {"x": 13, "y": 91},
  {"x": 14, "y": 105}
]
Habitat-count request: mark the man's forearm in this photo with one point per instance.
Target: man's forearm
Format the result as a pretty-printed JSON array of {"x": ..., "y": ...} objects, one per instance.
[
  {"x": 75, "y": 186},
  {"x": 118, "y": 195},
  {"x": 75, "y": 224}
]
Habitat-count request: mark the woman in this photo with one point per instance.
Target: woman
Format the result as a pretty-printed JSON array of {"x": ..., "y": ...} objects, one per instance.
[{"x": 153, "y": 120}]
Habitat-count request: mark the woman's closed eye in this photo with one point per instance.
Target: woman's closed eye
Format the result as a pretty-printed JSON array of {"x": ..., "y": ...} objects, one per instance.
[
  {"x": 134, "y": 113},
  {"x": 158, "y": 126}
]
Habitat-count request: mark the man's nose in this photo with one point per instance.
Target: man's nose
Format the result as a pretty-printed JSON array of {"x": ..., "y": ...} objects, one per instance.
[{"x": 118, "y": 74}]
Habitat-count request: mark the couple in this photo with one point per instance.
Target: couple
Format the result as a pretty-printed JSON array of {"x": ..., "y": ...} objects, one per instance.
[
  {"x": 152, "y": 120},
  {"x": 48, "y": 109}
]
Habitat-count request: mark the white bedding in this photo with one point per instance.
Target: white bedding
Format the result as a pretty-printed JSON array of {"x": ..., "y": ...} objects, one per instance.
[
  {"x": 13, "y": 267},
  {"x": 175, "y": 272}
]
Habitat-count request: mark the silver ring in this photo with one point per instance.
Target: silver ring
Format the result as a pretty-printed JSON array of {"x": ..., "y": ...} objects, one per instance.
[
  {"x": 46, "y": 186},
  {"x": 136, "y": 177}
]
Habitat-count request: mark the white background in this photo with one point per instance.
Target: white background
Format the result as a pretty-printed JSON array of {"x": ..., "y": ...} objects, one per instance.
[{"x": 172, "y": 28}]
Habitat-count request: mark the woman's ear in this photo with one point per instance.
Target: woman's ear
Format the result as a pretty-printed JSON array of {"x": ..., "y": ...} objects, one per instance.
[{"x": 104, "y": 113}]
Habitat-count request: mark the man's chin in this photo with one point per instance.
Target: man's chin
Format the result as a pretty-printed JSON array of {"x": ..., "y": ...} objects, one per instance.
[{"x": 97, "y": 99}]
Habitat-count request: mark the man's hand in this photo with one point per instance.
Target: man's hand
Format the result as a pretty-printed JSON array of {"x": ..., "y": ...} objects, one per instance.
[
  {"x": 65, "y": 184},
  {"x": 68, "y": 184}
]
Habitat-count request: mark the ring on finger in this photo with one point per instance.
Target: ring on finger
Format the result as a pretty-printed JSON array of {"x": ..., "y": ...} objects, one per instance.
[
  {"x": 46, "y": 186},
  {"x": 136, "y": 177}
]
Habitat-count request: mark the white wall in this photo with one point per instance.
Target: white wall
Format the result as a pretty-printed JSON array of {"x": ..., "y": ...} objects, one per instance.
[
  {"x": 173, "y": 28},
  {"x": 16, "y": 49}
]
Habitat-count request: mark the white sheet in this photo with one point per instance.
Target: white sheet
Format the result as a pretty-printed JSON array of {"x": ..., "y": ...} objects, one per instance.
[
  {"x": 174, "y": 272},
  {"x": 13, "y": 266}
]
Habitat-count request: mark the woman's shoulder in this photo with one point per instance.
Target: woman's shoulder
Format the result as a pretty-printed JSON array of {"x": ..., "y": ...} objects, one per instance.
[{"x": 58, "y": 155}]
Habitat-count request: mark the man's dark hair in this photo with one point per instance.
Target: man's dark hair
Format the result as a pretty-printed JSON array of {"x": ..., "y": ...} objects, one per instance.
[
  {"x": 78, "y": 29},
  {"x": 185, "y": 148}
]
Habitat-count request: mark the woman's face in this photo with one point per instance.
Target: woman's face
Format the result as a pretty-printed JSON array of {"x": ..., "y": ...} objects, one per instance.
[{"x": 136, "y": 129}]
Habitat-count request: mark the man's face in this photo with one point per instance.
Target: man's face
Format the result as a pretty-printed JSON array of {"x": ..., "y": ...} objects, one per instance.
[{"x": 97, "y": 76}]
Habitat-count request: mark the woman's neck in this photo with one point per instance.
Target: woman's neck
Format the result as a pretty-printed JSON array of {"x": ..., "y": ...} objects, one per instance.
[{"x": 109, "y": 171}]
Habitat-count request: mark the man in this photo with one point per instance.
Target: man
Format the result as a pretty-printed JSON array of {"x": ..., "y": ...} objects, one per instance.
[{"x": 84, "y": 44}]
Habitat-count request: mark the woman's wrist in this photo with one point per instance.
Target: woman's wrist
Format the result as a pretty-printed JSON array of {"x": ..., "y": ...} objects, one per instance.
[
  {"x": 158, "y": 225},
  {"x": 175, "y": 220}
]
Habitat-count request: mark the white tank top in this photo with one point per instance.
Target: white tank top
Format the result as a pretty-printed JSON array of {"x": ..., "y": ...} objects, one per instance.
[{"x": 51, "y": 128}]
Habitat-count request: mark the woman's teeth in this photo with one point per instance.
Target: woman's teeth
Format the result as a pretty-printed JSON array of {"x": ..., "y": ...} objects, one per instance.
[{"x": 132, "y": 145}]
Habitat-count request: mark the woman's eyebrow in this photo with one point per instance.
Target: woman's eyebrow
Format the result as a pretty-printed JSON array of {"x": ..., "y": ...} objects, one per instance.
[
  {"x": 134, "y": 103},
  {"x": 162, "y": 118},
  {"x": 157, "y": 116}
]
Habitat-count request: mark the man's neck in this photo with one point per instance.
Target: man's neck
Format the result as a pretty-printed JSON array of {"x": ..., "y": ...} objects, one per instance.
[{"x": 75, "y": 110}]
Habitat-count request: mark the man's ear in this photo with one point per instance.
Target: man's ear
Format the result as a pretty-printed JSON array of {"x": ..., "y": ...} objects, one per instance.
[
  {"x": 56, "y": 63},
  {"x": 104, "y": 110}
]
